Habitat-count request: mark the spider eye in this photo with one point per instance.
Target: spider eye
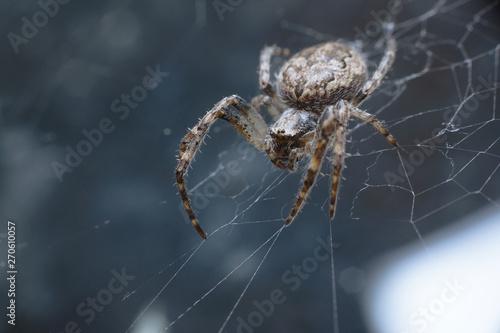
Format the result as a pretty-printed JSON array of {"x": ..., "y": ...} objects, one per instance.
[{"x": 280, "y": 134}]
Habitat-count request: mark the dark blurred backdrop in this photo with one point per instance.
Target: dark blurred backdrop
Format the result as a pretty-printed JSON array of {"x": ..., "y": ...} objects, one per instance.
[{"x": 116, "y": 211}]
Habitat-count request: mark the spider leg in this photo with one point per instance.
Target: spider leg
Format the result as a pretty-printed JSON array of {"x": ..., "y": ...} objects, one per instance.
[
  {"x": 238, "y": 113},
  {"x": 265, "y": 67},
  {"x": 327, "y": 124},
  {"x": 275, "y": 110},
  {"x": 342, "y": 114},
  {"x": 369, "y": 118},
  {"x": 273, "y": 104},
  {"x": 383, "y": 67}
]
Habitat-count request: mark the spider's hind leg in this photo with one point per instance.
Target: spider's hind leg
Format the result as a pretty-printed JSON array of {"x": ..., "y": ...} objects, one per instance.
[
  {"x": 238, "y": 113},
  {"x": 382, "y": 69},
  {"x": 342, "y": 114},
  {"x": 270, "y": 100},
  {"x": 265, "y": 67}
]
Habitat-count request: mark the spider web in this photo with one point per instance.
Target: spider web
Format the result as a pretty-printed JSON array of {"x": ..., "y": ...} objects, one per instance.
[{"x": 439, "y": 101}]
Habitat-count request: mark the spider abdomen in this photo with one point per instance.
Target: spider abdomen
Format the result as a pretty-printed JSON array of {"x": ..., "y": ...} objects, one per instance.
[{"x": 321, "y": 75}]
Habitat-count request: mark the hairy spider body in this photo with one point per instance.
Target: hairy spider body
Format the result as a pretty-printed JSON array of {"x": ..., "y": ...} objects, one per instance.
[{"x": 318, "y": 90}]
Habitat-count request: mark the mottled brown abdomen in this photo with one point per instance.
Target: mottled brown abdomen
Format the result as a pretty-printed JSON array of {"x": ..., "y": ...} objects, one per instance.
[{"x": 321, "y": 75}]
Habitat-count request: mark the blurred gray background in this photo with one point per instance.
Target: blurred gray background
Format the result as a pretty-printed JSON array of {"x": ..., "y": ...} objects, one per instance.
[{"x": 118, "y": 209}]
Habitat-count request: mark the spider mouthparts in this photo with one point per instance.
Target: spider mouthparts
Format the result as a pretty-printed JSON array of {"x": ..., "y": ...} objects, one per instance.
[{"x": 282, "y": 163}]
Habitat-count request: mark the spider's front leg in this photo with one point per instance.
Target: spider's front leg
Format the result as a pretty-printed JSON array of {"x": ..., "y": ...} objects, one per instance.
[
  {"x": 238, "y": 113},
  {"x": 342, "y": 114},
  {"x": 326, "y": 128}
]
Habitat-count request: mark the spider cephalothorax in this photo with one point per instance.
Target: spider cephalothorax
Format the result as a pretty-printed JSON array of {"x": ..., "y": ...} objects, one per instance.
[
  {"x": 319, "y": 89},
  {"x": 288, "y": 137}
]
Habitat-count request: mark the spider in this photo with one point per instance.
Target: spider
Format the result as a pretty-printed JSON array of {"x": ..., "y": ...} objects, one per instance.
[{"x": 317, "y": 90}]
